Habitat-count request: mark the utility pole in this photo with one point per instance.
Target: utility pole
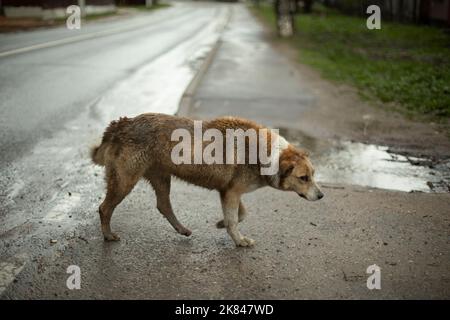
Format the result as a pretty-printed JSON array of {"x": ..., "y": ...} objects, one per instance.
[{"x": 82, "y": 5}]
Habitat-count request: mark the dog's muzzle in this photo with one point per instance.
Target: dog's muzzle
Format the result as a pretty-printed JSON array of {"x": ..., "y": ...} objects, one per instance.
[{"x": 318, "y": 196}]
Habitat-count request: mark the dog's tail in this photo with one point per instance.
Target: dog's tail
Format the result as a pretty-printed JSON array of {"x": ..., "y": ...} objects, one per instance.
[
  {"x": 98, "y": 154},
  {"x": 111, "y": 136}
]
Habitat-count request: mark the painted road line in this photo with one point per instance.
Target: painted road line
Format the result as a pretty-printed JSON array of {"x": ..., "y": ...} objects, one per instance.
[{"x": 74, "y": 39}]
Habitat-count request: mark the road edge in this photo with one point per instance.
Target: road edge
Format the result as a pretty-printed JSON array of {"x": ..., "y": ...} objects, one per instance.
[{"x": 185, "y": 103}]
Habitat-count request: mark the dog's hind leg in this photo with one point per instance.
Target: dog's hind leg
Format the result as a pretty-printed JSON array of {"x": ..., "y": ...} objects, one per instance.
[
  {"x": 161, "y": 185},
  {"x": 119, "y": 186},
  {"x": 230, "y": 206},
  {"x": 242, "y": 213}
]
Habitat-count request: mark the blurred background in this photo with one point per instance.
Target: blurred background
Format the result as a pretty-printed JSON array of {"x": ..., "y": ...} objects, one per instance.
[{"x": 371, "y": 105}]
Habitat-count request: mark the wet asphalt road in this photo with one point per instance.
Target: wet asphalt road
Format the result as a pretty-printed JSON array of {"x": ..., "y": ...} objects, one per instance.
[
  {"x": 51, "y": 191},
  {"x": 42, "y": 89}
]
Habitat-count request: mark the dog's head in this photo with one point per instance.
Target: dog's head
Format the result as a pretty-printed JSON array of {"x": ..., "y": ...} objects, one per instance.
[{"x": 297, "y": 174}]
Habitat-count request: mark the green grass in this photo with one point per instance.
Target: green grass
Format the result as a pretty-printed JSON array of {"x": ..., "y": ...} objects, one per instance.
[{"x": 405, "y": 64}]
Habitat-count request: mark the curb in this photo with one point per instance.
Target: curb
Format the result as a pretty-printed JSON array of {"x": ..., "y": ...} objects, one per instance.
[{"x": 186, "y": 100}]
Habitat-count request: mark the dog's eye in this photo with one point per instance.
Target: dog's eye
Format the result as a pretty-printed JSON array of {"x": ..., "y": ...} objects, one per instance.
[{"x": 304, "y": 178}]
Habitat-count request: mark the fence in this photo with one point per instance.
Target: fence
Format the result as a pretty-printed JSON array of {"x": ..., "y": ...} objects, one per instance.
[{"x": 424, "y": 11}]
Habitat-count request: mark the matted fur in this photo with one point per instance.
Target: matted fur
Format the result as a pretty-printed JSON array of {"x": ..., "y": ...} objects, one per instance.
[{"x": 140, "y": 147}]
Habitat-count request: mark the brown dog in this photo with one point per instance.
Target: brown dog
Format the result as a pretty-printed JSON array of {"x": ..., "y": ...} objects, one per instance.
[{"x": 142, "y": 147}]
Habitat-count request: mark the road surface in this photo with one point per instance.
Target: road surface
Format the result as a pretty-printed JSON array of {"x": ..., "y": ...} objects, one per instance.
[
  {"x": 44, "y": 88},
  {"x": 55, "y": 104}
]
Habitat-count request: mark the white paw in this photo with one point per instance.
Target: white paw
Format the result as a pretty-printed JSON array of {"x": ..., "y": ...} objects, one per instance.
[{"x": 245, "y": 242}]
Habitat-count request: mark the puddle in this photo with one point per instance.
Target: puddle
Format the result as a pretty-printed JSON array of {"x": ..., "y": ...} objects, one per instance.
[{"x": 371, "y": 165}]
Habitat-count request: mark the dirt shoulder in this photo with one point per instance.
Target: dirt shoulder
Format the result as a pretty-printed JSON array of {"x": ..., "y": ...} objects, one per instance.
[{"x": 340, "y": 112}]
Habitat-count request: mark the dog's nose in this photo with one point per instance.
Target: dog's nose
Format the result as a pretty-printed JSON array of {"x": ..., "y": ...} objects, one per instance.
[{"x": 320, "y": 195}]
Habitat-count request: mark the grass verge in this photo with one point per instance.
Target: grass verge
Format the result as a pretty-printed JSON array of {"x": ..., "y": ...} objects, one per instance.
[{"x": 404, "y": 64}]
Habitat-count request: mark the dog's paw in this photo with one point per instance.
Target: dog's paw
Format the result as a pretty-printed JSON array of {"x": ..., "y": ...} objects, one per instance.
[
  {"x": 245, "y": 242},
  {"x": 111, "y": 237},
  {"x": 220, "y": 224},
  {"x": 184, "y": 231}
]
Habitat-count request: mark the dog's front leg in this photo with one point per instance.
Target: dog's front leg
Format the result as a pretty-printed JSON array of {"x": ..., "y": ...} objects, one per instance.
[
  {"x": 241, "y": 214},
  {"x": 230, "y": 207}
]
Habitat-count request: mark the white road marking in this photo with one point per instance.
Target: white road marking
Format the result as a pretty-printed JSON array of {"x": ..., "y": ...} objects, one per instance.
[
  {"x": 73, "y": 39},
  {"x": 59, "y": 42}
]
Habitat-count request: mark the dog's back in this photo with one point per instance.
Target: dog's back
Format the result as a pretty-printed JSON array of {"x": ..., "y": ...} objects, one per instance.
[{"x": 145, "y": 143}]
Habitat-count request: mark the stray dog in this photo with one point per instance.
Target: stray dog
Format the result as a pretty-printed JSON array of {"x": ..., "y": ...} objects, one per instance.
[{"x": 141, "y": 147}]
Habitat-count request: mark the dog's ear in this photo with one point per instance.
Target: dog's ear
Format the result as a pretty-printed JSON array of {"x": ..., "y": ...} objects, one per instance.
[{"x": 286, "y": 168}]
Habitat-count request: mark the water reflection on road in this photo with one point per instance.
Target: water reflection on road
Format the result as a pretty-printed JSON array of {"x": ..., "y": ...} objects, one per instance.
[{"x": 371, "y": 165}]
